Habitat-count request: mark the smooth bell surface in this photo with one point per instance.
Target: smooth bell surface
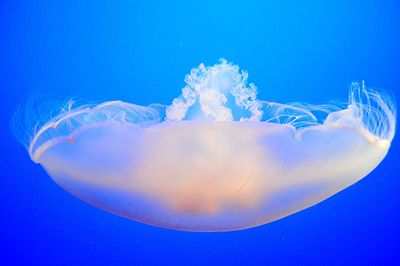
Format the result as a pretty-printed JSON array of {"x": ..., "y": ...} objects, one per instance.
[{"x": 210, "y": 176}]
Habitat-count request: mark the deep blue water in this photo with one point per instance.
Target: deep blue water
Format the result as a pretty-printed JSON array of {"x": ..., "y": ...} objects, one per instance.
[{"x": 139, "y": 51}]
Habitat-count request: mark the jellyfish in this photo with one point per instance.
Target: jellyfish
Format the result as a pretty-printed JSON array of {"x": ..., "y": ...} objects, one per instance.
[{"x": 217, "y": 158}]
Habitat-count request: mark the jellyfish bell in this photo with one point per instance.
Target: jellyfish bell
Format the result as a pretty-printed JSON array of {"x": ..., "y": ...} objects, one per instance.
[{"x": 217, "y": 158}]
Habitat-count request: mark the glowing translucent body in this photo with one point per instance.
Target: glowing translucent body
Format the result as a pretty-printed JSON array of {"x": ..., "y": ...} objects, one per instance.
[{"x": 217, "y": 159}]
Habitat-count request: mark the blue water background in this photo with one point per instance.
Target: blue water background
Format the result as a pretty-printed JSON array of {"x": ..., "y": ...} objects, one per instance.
[{"x": 139, "y": 51}]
